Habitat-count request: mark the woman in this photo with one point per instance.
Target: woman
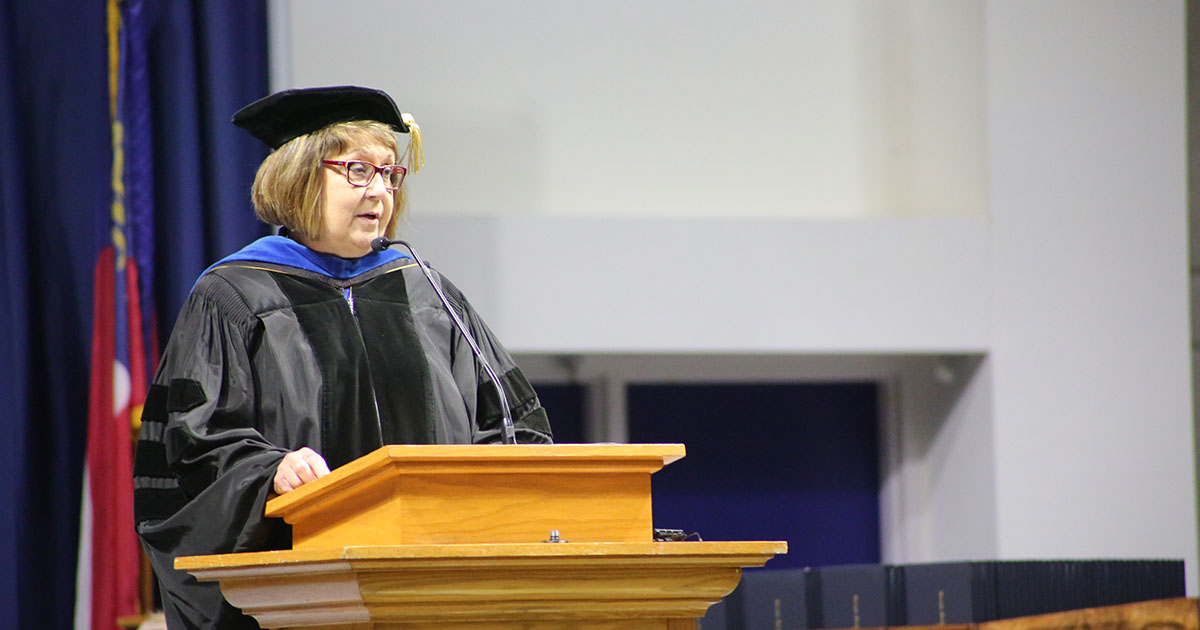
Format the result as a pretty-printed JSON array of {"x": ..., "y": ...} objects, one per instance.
[{"x": 304, "y": 351}]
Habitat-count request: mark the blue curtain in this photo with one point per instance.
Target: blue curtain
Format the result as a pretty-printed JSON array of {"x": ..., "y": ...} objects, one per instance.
[
  {"x": 789, "y": 461},
  {"x": 206, "y": 59}
]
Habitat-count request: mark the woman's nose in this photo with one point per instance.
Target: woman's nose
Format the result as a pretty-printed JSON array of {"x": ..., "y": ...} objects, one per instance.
[{"x": 376, "y": 186}]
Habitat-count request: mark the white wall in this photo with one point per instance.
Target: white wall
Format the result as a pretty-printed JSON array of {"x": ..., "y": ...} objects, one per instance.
[
  {"x": 980, "y": 204},
  {"x": 587, "y": 284},
  {"x": 1090, "y": 347},
  {"x": 779, "y": 108},
  {"x": 939, "y": 498}
]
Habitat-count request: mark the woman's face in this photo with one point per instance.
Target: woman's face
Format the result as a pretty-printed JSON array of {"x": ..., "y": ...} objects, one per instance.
[{"x": 353, "y": 216}]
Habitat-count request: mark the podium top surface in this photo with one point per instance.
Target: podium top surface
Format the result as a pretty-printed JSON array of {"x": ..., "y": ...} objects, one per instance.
[
  {"x": 480, "y": 459},
  {"x": 731, "y": 553},
  {"x": 662, "y": 453}
]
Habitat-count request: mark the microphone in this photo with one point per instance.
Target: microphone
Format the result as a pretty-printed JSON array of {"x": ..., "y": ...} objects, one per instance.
[{"x": 508, "y": 431}]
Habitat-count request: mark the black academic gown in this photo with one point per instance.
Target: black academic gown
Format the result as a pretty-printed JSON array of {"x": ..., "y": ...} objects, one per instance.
[{"x": 267, "y": 358}]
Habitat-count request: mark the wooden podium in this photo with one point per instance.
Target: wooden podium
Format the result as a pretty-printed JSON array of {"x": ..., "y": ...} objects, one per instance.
[{"x": 486, "y": 537}]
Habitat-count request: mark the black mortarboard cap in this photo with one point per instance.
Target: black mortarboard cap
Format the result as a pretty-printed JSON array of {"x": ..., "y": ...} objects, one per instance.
[{"x": 289, "y": 114}]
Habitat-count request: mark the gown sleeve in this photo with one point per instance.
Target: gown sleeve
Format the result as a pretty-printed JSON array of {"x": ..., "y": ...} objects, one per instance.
[
  {"x": 529, "y": 418},
  {"x": 202, "y": 468}
]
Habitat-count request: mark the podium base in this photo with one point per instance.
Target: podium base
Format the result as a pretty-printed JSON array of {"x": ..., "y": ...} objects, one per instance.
[{"x": 530, "y": 586}]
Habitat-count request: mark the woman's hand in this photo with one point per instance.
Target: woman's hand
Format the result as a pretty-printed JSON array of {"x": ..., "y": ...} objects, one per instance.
[{"x": 298, "y": 468}]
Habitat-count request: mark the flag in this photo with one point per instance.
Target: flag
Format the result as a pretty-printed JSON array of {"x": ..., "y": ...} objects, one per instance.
[{"x": 123, "y": 339}]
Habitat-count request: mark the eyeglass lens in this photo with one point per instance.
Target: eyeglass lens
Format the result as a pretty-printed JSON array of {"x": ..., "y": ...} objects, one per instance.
[{"x": 360, "y": 174}]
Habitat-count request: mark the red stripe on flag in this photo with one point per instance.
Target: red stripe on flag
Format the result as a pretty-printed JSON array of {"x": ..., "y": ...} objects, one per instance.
[
  {"x": 137, "y": 345},
  {"x": 110, "y": 467}
]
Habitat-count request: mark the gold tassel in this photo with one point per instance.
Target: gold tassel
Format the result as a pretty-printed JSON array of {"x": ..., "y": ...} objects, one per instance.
[{"x": 414, "y": 153}]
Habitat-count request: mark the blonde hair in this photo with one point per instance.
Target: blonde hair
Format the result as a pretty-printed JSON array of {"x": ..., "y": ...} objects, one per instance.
[{"x": 289, "y": 184}]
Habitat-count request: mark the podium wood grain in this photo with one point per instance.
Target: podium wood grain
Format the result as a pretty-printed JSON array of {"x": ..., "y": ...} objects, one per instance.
[
  {"x": 421, "y": 494},
  {"x": 454, "y": 537},
  {"x": 533, "y": 586}
]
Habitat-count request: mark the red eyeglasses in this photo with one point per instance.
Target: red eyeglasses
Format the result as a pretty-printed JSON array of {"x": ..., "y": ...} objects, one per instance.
[{"x": 360, "y": 173}]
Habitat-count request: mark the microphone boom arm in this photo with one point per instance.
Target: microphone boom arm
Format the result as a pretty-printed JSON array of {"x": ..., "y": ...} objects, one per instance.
[{"x": 508, "y": 431}]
